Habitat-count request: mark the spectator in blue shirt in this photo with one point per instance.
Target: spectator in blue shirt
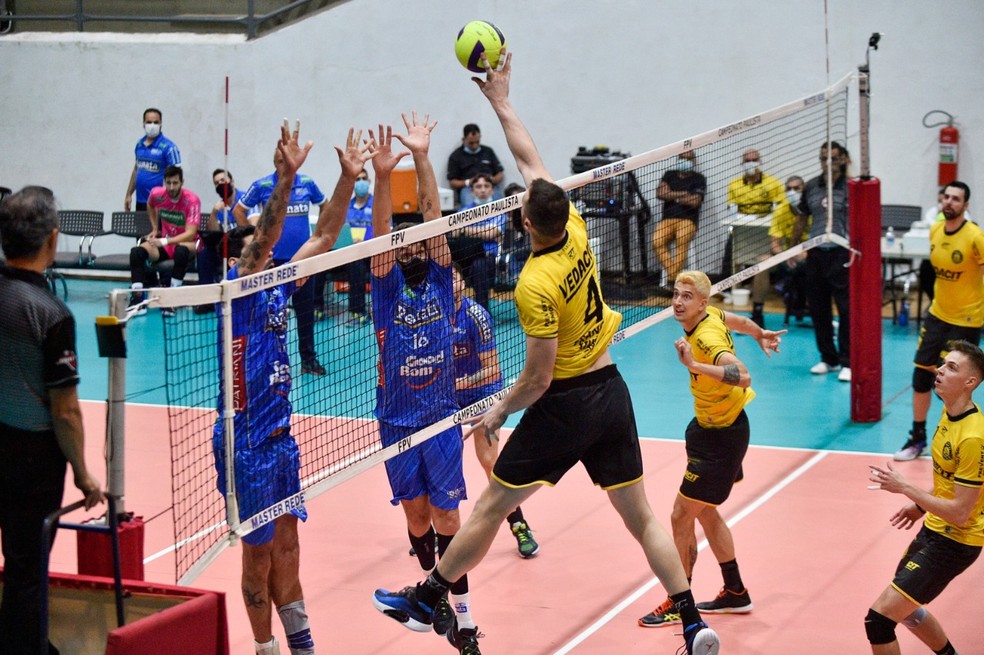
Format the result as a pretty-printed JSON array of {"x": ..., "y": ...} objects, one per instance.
[
  {"x": 359, "y": 219},
  {"x": 297, "y": 229},
  {"x": 154, "y": 153},
  {"x": 481, "y": 269}
]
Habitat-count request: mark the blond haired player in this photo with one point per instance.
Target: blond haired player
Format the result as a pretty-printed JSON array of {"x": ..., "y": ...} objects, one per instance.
[{"x": 717, "y": 437}]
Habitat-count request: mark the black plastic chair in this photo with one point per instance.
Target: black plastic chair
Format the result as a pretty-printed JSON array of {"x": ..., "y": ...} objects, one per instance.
[
  {"x": 85, "y": 224},
  {"x": 134, "y": 225}
]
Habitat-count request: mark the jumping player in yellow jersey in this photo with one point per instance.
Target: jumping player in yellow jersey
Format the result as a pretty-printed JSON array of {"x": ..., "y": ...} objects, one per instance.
[
  {"x": 577, "y": 406},
  {"x": 952, "y": 535},
  {"x": 956, "y": 251},
  {"x": 716, "y": 438}
]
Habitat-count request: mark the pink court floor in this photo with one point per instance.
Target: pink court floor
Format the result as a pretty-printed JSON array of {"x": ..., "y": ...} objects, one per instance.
[{"x": 814, "y": 544}]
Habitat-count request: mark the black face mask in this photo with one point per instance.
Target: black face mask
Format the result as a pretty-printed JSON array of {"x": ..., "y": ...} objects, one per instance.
[
  {"x": 224, "y": 190},
  {"x": 414, "y": 270}
]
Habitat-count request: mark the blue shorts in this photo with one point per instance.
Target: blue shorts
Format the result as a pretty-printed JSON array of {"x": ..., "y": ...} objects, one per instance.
[
  {"x": 265, "y": 475},
  {"x": 431, "y": 469}
]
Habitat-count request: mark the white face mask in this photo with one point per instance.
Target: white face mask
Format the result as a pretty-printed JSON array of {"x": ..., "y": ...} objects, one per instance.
[
  {"x": 794, "y": 197},
  {"x": 152, "y": 129},
  {"x": 750, "y": 167}
]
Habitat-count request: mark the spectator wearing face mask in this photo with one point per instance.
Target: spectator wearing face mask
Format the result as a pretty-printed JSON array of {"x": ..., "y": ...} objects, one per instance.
[
  {"x": 755, "y": 193},
  {"x": 221, "y": 220},
  {"x": 154, "y": 152},
  {"x": 359, "y": 219},
  {"x": 682, "y": 190},
  {"x": 470, "y": 159},
  {"x": 481, "y": 269}
]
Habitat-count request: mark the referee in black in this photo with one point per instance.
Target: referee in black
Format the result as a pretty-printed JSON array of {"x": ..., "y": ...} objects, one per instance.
[{"x": 40, "y": 418}]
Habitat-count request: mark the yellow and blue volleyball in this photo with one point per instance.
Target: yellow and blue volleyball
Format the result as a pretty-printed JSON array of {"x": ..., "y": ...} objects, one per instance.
[{"x": 475, "y": 38}]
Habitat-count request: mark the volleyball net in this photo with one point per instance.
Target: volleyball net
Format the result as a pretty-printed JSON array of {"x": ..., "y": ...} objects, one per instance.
[{"x": 333, "y": 420}]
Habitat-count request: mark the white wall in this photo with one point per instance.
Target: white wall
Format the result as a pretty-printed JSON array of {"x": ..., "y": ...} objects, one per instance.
[{"x": 632, "y": 74}]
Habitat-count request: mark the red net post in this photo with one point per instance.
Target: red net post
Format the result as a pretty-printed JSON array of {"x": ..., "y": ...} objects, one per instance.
[{"x": 866, "y": 300}]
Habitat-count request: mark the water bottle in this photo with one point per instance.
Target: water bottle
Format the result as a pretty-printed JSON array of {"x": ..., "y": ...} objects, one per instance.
[
  {"x": 904, "y": 306},
  {"x": 890, "y": 238}
]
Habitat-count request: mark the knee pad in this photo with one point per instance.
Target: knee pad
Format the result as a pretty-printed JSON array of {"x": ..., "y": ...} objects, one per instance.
[
  {"x": 138, "y": 257},
  {"x": 922, "y": 380},
  {"x": 880, "y": 629},
  {"x": 916, "y": 618}
]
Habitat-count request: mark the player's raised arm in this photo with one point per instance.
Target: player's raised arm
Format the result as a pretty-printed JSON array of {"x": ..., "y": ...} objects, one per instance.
[
  {"x": 331, "y": 218},
  {"x": 417, "y": 140},
  {"x": 383, "y": 162},
  {"x": 271, "y": 222},
  {"x": 496, "y": 89}
]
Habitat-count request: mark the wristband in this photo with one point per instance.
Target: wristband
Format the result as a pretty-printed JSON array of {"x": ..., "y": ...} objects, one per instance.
[{"x": 163, "y": 241}]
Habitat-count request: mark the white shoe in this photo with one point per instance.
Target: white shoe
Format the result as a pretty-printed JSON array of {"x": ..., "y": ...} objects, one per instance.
[
  {"x": 845, "y": 375},
  {"x": 823, "y": 368},
  {"x": 272, "y": 647}
]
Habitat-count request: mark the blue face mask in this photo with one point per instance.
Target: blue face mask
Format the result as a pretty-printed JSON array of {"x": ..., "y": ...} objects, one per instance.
[
  {"x": 472, "y": 151},
  {"x": 684, "y": 165},
  {"x": 362, "y": 188}
]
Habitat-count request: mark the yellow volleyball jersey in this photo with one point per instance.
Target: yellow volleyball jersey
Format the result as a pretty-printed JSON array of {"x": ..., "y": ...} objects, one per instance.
[
  {"x": 959, "y": 287},
  {"x": 759, "y": 198},
  {"x": 716, "y": 404},
  {"x": 559, "y": 296},
  {"x": 958, "y": 460}
]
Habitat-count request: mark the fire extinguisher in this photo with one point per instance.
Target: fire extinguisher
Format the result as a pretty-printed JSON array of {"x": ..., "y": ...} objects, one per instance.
[{"x": 949, "y": 147}]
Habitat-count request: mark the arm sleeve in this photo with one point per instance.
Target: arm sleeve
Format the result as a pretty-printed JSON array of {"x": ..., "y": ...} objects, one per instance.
[
  {"x": 173, "y": 155},
  {"x": 315, "y": 193}
]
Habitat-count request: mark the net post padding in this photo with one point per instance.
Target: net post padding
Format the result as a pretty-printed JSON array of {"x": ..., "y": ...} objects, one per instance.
[{"x": 864, "y": 197}]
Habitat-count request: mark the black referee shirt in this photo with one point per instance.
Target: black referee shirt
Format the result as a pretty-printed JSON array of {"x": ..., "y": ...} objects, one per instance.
[{"x": 37, "y": 349}]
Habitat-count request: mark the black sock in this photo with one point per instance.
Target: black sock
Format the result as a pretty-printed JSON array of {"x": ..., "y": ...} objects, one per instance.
[
  {"x": 683, "y": 602},
  {"x": 424, "y": 547},
  {"x": 459, "y": 586},
  {"x": 758, "y": 307},
  {"x": 430, "y": 590},
  {"x": 919, "y": 429},
  {"x": 515, "y": 517},
  {"x": 732, "y": 578},
  {"x": 946, "y": 650}
]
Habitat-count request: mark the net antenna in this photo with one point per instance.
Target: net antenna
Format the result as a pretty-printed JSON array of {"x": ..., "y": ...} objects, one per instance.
[{"x": 864, "y": 92}]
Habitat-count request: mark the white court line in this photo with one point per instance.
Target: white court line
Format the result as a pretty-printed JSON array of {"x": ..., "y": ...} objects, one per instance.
[{"x": 638, "y": 593}]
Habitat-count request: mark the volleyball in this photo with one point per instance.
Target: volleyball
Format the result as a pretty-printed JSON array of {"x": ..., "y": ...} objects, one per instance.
[{"x": 475, "y": 38}]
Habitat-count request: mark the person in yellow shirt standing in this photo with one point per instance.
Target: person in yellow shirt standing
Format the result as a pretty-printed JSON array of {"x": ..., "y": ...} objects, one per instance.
[
  {"x": 956, "y": 251},
  {"x": 716, "y": 438},
  {"x": 952, "y": 533}
]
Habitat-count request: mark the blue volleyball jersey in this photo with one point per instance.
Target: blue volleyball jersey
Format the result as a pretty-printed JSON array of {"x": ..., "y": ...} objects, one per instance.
[
  {"x": 474, "y": 334},
  {"x": 260, "y": 364},
  {"x": 416, "y": 355},
  {"x": 151, "y": 162},
  {"x": 297, "y": 226},
  {"x": 360, "y": 218},
  {"x": 224, "y": 217}
]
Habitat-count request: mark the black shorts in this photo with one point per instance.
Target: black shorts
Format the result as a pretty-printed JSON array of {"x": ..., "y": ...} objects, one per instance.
[
  {"x": 587, "y": 419},
  {"x": 935, "y": 337},
  {"x": 714, "y": 457},
  {"x": 929, "y": 563}
]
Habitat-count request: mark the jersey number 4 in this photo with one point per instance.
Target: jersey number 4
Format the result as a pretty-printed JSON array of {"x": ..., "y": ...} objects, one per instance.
[{"x": 593, "y": 306}]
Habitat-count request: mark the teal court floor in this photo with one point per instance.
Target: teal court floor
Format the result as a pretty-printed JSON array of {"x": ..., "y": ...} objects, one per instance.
[{"x": 793, "y": 408}]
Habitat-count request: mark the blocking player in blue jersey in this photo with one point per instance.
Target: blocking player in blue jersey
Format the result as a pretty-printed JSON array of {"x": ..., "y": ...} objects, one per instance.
[
  {"x": 477, "y": 376},
  {"x": 413, "y": 306},
  {"x": 304, "y": 192},
  {"x": 266, "y": 458},
  {"x": 154, "y": 153}
]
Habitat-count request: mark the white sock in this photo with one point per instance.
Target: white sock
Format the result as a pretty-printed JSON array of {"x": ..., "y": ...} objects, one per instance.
[
  {"x": 176, "y": 283},
  {"x": 271, "y": 647},
  {"x": 462, "y": 610}
]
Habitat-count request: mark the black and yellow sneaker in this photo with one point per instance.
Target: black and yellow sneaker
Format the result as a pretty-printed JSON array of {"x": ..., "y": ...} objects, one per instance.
[
  {"x": 443, "y": 616},
  {"x": 464, "y": 639},
  {"x": 727, "y": 602},
  {"x": 662, "y": 616},
  {"x": 524, "y": 539}
]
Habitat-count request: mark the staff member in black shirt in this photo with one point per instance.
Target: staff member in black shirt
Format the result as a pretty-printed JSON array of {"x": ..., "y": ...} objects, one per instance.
[{"x": 40, "y": 418}]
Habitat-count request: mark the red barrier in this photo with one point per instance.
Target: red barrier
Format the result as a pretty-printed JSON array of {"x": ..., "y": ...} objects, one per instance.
[
  {"x": 864, "y": 196},
  {"x": 95, "y": 554}
]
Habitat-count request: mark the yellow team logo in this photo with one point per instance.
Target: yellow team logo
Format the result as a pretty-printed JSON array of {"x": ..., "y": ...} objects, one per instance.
[
  {"x": 948, "y": 451},
  {"x": 911, "y": 566}
]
